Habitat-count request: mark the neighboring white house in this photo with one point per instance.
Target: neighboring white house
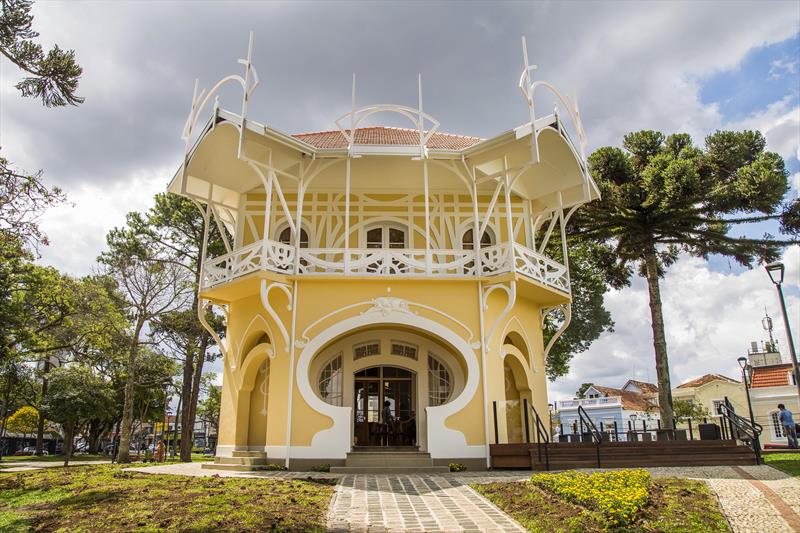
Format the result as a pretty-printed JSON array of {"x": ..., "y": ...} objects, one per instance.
[{"x": 633, "y": 406}]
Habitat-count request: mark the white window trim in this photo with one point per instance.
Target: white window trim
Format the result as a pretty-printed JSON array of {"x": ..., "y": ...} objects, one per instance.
[
  {"x": 386, "y": 224},
  {"x": 773, "y": 424},
  {"x": 312, "y": 243}
]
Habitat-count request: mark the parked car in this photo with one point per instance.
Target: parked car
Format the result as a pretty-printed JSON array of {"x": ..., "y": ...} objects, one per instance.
[{"x": 29, "y": 450}]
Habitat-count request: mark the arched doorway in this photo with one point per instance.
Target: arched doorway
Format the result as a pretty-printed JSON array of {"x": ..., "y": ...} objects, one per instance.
[
  {"x": 364, "y": 369},
  {"x": 384, "y": 407}
]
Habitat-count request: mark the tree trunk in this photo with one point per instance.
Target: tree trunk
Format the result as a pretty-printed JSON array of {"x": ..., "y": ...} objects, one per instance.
[
  {"x": 123, "y": 455},
  {"x": 659, "y": 339},
  {"x": 198, "y": 375},
  {"x": 40, "y": 427},
  {"x": 11, "y": 378},
  {"x": 69, "y": 430},
  {"x": 185, "y": 401}
]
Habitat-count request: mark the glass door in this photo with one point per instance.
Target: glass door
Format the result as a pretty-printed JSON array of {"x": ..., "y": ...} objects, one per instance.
[
  {"x": 384, "y": 407},
  {"x": 383, "y": 237}
]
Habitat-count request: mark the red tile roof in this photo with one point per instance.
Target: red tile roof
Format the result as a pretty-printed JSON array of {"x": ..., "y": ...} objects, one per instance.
[
  {"x": 384, "y": 135},
  {"x": 708, "y": 378},
  {"x": 643, "y": 386},
  {"x": 632, "y": 401},
  {"x": 771, "y": 376}
]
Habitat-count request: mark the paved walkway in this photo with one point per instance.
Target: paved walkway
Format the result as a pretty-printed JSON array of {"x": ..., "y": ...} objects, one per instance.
[
  {"x": 22, "y": 466},
  {"x": 755, "y": 499}
]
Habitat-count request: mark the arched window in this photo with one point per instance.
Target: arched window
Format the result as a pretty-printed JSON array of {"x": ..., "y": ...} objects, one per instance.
[
  {"x": 285, "y": 237},
  {"x": 386, "y": 236},
  {"x": 467, "y": 242},
  {"x": 331, "y": 381},
  {"x": 439, "y": 382}
]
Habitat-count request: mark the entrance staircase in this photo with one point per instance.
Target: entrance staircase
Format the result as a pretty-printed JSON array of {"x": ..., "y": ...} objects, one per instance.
[
  {"x": 241, "y": 461},
  {"x": 388, "y": 460}
]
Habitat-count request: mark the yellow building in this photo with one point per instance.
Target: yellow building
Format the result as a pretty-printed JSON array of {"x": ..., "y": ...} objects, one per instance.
[
  {"x": 361, "y": 312},
  {"x": 710, "y": 390}
]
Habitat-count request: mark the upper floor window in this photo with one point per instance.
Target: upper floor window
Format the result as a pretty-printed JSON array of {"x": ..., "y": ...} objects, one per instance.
[
  {"x": 285, "y": 237},
  {"x": 467, "y": 242},
  {"x": 386, "y": 236}
]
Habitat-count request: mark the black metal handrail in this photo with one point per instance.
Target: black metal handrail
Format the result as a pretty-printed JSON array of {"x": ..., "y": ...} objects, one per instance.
[
  {"x": 742, "y": 428},
  {"x": 542, "y": 438},
  {"x": 596, "y": 437}
]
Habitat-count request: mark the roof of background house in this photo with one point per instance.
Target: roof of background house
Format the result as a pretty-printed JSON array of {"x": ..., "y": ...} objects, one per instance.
[
  {"x": 708, "y": 378},
  {"x": 771, "y": 376},
  {"x": 645, "y": 387},
  {"x": 385, "y": 135},
  {"x": 631, "y": 401}
]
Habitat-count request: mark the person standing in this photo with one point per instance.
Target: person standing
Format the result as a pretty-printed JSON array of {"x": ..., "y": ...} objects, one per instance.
[{"x": 786, "y": 420}]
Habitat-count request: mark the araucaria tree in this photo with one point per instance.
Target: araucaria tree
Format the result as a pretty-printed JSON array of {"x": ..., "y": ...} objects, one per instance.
[{"x": 663, "y": 196}]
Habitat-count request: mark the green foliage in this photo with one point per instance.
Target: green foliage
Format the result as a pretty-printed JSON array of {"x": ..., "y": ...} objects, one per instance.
[
  {"x": 617, "y": 495},
  {"x": 582, "y": 390},
  {"x": 54, "y": 75},
  {"x": 688, "y": 409},
  {"x": 457, "y": 467},
  {"x": 209, "y": 408},
  {"x": 24, "y": 420},
  {"x": 75, "y": 394},
  {"x": 663, "y": 196}
]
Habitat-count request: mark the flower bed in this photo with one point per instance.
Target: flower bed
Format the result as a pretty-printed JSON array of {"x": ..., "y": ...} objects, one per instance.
[{"x": 617, "y": 495}]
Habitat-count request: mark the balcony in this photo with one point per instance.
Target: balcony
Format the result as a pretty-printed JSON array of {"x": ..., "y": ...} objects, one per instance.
[
  {"x": 273, "y": 256},
  {"x": 588, "y": 403}
]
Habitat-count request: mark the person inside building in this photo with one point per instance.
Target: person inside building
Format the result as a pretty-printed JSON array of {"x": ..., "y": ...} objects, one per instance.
[{"x": 785, "y": 417}]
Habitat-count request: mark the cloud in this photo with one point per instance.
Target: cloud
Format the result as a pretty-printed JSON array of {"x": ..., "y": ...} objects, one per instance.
[
  {"x": 710, "y": 319},
  {"x": 780, "y": 124}
]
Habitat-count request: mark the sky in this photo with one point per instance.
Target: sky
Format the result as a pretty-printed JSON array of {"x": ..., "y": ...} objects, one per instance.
[{"x": 692, "y": 67}]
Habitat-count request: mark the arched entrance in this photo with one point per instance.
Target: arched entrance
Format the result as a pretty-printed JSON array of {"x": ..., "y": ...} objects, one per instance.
[
  {"x": 384, "y": 408},
  {"x": 389, "y": 377}
]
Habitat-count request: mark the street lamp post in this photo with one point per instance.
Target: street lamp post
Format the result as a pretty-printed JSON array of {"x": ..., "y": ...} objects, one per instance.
[
  {"x": 746, "y": 375},
  {"x": 775, "y": 271}
]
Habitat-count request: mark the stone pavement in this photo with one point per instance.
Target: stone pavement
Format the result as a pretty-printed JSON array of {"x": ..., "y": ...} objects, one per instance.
[{"x": 755, "y": 499}]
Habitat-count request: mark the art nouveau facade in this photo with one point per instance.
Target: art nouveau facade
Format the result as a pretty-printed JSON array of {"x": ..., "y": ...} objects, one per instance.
[{"x": 353, "y": 280}]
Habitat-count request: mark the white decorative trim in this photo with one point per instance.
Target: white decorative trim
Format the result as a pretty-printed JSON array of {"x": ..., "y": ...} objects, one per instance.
[
  {"x": 334, "y": 442},
  {"x": 567, "y": 310},
  {"x": 250, "y": 326},
  {"x": 511, "y": 293},
  {"x": 265, "y": 288},
  {"x": 201, "y": 316}
]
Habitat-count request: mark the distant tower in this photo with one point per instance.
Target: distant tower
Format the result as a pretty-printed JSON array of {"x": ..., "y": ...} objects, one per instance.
[{"x": 767, "y": 353}]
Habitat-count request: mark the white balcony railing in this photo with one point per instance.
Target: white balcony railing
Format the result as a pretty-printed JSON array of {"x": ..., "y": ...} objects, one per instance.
[
  {"x": 280, "y": 258},
  {"x": 610, "y": 401}
]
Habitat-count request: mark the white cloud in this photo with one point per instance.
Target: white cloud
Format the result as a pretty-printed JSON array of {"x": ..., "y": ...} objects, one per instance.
[
  {"x": 780, "y": 124},
  {"x": 710, "y": 319},
  {"x": 77, "y": 231}
]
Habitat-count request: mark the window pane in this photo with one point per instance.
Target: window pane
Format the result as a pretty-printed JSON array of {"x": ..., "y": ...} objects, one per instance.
[
  {"x": 397, "y": 238},
  {"x": 286, "y": 236}
]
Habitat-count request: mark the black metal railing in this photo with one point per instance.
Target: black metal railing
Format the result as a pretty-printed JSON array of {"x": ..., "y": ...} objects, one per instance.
[
  {"x": 586, "y": 422},
  {"x": 741, "y": 428},
  {"x": 542, "y": 436}
]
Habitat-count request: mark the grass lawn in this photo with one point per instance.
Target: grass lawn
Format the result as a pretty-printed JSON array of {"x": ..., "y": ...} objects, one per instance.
[
  {"x": 788, "y": 462},
  {"x": 52, "y": 458},
  {"x": 674, "y": 505},
  {"x": 104, "y": 498}
]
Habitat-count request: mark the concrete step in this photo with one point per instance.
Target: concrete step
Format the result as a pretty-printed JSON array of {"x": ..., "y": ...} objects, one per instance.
[
  {"x": 389, "y": 469},
  {"x": 245, "y": 453},
  {"x": 400, "y": 459},
  {"x": 246, "y": 461}
]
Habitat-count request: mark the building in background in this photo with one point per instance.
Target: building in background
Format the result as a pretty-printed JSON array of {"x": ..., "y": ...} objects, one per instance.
[
  {"x": 633, "y": 406},
  {"x": 710, "y": 390}
]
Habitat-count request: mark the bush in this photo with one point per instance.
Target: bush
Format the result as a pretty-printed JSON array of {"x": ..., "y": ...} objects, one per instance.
[
  {"x": 457, "y": 467},
  {"x": 617, "y": 495},
  {"x": 320, "y": 468},
  {"x": 273, "y": 466}
]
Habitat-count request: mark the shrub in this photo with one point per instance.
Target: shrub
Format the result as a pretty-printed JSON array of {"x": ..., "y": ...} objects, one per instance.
[
  {"x": 273, "y": 466},
  {"x": 457, "y": 467},
  {"x": 617, "y": 495},
  {"x": 320, "y": 468}
]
